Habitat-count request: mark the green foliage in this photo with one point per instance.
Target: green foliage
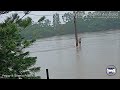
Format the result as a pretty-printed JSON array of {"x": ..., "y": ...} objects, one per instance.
[
  {"x": 26, "y": 22},
  {"x": 41, "y": 19},
  {"x": 85, "y": 23},
  {"x": 13, "y": 60}
]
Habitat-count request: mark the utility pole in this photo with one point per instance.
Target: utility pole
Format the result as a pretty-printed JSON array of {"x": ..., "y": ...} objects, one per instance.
[
  {"x": 75, "y": 29},
  {"x": 47, "y": 73}
]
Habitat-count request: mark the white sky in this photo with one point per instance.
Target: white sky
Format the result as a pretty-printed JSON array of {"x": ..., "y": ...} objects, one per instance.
[{"x": 35, "y": 15}]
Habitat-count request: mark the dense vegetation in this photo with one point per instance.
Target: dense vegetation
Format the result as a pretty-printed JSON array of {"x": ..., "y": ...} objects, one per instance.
[
  {"x": 93, "y": 21},
  {"x": 14, "y": 61},
  {"x": 15, "y": 31}
]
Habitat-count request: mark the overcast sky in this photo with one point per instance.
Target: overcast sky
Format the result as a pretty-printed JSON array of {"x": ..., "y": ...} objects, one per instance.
[{"x": 35, "y": 15}]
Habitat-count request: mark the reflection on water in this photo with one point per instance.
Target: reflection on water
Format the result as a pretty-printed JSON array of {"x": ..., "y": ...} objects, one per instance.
[{"x": 89, "y": 61}]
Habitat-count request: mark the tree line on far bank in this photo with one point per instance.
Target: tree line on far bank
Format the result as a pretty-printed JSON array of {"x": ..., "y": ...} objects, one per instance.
[{"x": 92, "y": 22}]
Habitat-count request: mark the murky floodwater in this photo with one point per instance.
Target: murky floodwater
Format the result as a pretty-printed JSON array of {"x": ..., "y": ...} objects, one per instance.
[{"x": 64, "y": 61}]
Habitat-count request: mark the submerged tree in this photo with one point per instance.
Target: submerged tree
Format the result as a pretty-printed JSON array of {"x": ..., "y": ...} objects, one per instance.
[{"x": 13, "y": 59}]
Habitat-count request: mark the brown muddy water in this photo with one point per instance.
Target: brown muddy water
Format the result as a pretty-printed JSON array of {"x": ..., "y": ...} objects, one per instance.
[{"x": 59, "y": 55}]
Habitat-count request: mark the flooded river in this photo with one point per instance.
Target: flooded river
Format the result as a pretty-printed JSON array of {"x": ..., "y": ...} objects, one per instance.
[{"x": 59, "y": 55}]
